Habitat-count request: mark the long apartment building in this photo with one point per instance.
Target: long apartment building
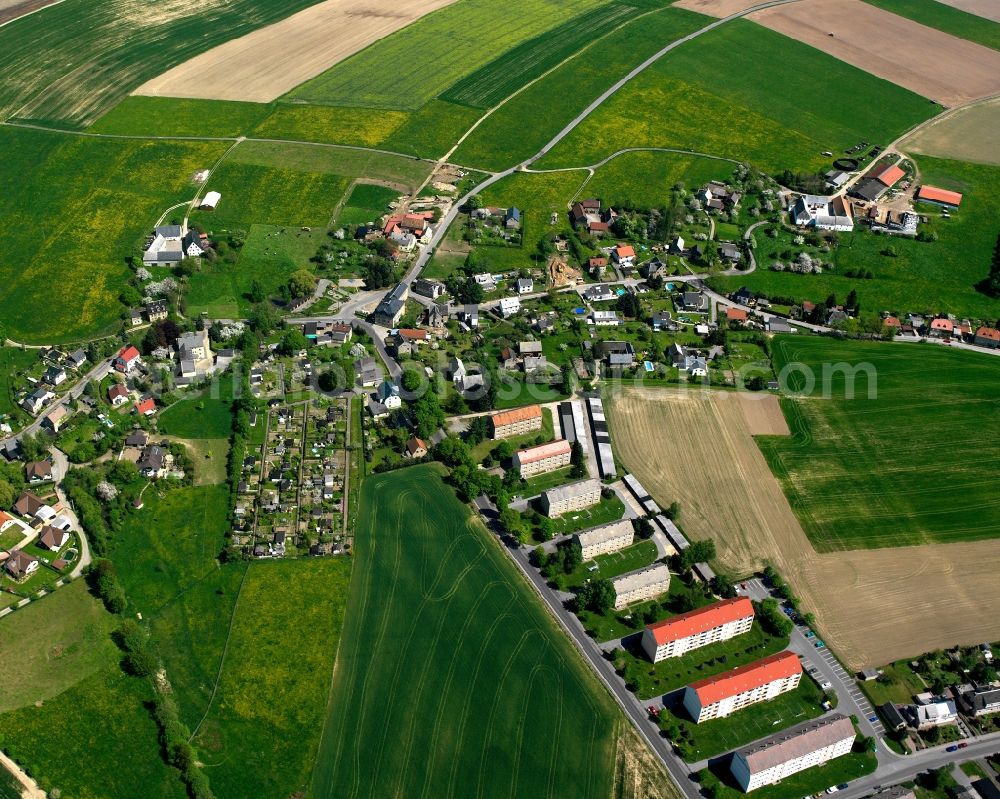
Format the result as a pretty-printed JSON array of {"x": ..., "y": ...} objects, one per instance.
[
  {"x": 723, "y": 694},
  {"x": 719, "y": 621},
  {"x": 567, "y": 498},
  {"x": 516, "y": 422},
  {"x": 606, "y": 538},
  {"x": 638, "y": 586},
  {"x": 803, "y": 746},
  {"x": 543, "y": 458}
]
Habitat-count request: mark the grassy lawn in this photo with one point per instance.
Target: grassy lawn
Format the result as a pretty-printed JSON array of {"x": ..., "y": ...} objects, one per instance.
[
  {"x": 610, "y": 565},
  {"x": 806, "y": 783},
  {"x": 855, "y": 470},
  {"x": 430, "y": 131},
  {"x": 771, "y": 118},
  {"x": 366, "y": 203},
  {"x": 711, "y": 738},
  {"x": 263, "y": 730},
  {"x": 74, "y": 62},
  {"x": 419, "y": 62},
  {"x": 644, "y": 179},
  {"x": 198, "y": 417},
  {"x": 70, "y": 635},
  {"x": 209, "y": 458},
  {"x": 78, "y": 740},
  {"x": 607, "y": 510},
  {"x": 974, "y": 770},
  {"x": 11, "y": 538},
  {"x": 175, "y": 116},
  {"x": 119, "y": 187},
  {"x": 489, "y": 697},
  {"x": 503, "y": 139},
  {"x": 656, "y": 679},
  {"x": 13, "y": 362},
  {"x": 903, "y": 684},
  {"x": 546, "y": 433},
  {"x": 946, "y": 18},
  {"x": 543, "y": 482}
]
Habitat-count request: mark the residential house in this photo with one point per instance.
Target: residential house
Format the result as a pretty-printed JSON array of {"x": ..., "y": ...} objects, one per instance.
[
  {"x": 516, "y": 422},
  {"x": 38, "y": 471},
  {"x": 804, "y": 746},
  {"x": 20, "y": 565},
  {"x": 605, "y": 538},
  {"x": 987, "y": 337},
  {"x": 694, "y": 302},
  {"x": 512, "y": 218},
  {"x": 37, "y": 400},
  {"x": 778, "y": 325},
  {"x": 367, "y": 371},
  {"x": 730, "y": 252},
  {"x": 152, "y": 462},
  {"x": 680, "y": 634},
  {"x": 736, "y": 315},
  {"x": 52, "y": 538},
  {"x": 194, "y": 354},
  {"x": 54, "y": 375},
  {"x": 941, "y": 328},
  {"x": 509, "y": 306},
  {"x": 428, "y": 288},
  {"x": 618, "y": 353},
  {"x": 135, "y": 316},
  {"x": 600, "y": 292},
  {"x": 935, "y": 713},
  {"x": 416, "y": 448},
  {"x": 156, "y": 310},
  {"x": 525, "y": 285},
  {"x": 145, "y": 407},
  {"x": 543, "y": 458},
  {"x": 641, "y": 585},
  {"x": 605, "y": 318},
  {"x": 597, "y": 264},
  {"x": 470, "y": 315},
  {"x": 54, "y": 418},
  {"x": 836, "y": 316},
  {"x": 572, "y": 497},
  {"x": 377, "y": 409},
  {"x": 981, "y": 700},
  {"x": 436, "y": 316},
  {"x": 390, "y": 310},
  {"x": 623, "y": 255},
  {"x": 118, "y": 394},
  {"x": 456, "y": 370},
  {"x": 662, "y": 320},
  {"x": 726, "y": 693},
  {"x": 676, "y": 354},
  {"x": 825, "y": 213},
  {"x": 126, "y": 360},
  {"x": 694, "y": 365},
  {"x": 388, "y": 394},
  {"x": 28, "y": 505},
  {"x": 76, "y": 359}
]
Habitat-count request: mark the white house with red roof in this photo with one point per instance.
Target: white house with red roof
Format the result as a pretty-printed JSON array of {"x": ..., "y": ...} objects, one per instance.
[
  {"x": 146, "y": 406},
  {"x": 118, "y": 395},
  {"x": 624, "y": 255},
  {"x": 126, "y": 360},
  {"x": 719, "y": 696},
  {"x": 678, "y": 635},
  {"x": 941, "y": 328}
]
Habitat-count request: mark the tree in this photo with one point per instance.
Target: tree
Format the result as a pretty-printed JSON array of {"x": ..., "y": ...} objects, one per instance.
[
  {"x": 503, "y": 451},
  {"x": 700, "y": 551},
  {"x": 772, "y": 619},
  {"x": 479, "y": 430},
  {"x": 674, "y": 511},
  {"x": 293, "y": 340},
  {"x": 187, "y": 267},
  {"x": 628, "y": 305},
  {"x": 831, "y": 301},
  {"x": 598, "y": 596},
  {"x": 106, "y": 491},
  {"x": 852, "y": 300},
  {"x": 123, "y": 472},
  {"x": 7, "y": 494},
  {"x": 257, "y": 292},
  {"x": 301, "y": 283},
  {"x": 546, "y": 528},
  {"x": 474, "y": 202},
  {"x": 578, "y": 464}
]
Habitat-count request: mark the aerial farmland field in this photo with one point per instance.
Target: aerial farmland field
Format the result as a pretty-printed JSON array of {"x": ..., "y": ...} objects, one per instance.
[
  {"x": 74, "y": 209},
  {"x": 451, "y": 679},
  {"x": 412, "y": 66},
  {"x": 946, "y": 18},
  {"x": 161, "y": 116},
  {"x": 68, "y": 64},
  {"x": 771, "y": 118}
]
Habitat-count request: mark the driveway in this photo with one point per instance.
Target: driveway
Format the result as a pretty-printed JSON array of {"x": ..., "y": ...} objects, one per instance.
[{"x": 60, "y": 466}]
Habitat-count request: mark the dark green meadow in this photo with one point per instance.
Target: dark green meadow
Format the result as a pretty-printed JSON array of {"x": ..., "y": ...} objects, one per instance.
[
  {"x": 946, "y": 18},
  {"x": 175, "y": 116},
  {"x": 724, "y": 94},
  {"x": 451, "y": 679},
  {"x": 918, "y": 464}
]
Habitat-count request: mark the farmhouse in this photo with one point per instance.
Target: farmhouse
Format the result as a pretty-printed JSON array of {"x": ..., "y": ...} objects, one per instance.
[
  {"x": 606, "y": 538},
  {"x": 803, "y": 746},
  {"x": 20, "y": 565},
  {"x": 575, "y": 496},
  {"x": 516, "y": 422},
  {"x": 987, "y": 337},
  {"x": 719, "y": 696},
  {"x": 642, "y": 584},
  {"x": 823, "y": 213},
  {"x": 677, "y": 636},
  {"x": 165, "y": 248},
  {"x": 869, "y": 189},
  {"x": 543, "y": 458},
  {"x": 931, "y": 194},
  {"x": 890, "y": 176}
]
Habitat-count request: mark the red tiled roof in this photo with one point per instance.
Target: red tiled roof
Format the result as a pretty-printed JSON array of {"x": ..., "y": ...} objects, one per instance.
[
  {"x": 890, "y": 175},
  {"x": 625, "y": 251},
  {"x": 543, "y": 451},
  {"x": 700, "y": 620},
  {"x": 409, "y": 333},
  {"x": 145, "y": 406},
  {"x": 988, "y": 332},
  {"x": 117, "y": 390},
  {"x": 128, "y": 353},
  {"x": 890, "y": 321},
  {"x": 516, "y": 415},
  {"x": 736, "y": 314},
  {"x": 598, "y": 261},
  {"x": 942, "y": 324},
  {"x": 599, "y": 226},
  {"x": 746, "y": 678},
  {"x": 935, "y": 194}
]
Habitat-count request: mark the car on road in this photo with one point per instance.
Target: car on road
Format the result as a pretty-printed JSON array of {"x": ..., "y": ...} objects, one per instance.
[
  {"x": 962, "y": 745},
  {"x": 952, "y": 748},
  {"x": 842, "y": 786},
  {"x": 833, "y": 789}
]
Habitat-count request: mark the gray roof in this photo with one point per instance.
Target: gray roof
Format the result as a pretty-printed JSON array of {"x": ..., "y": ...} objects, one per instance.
[
  {"x": 169, "y": 231},
  {"x": 572, "y": 490},
  {"x": 648, "y": 575},
  {"x": 606, "y": 532},
  {"x": 796, "y": 741}
]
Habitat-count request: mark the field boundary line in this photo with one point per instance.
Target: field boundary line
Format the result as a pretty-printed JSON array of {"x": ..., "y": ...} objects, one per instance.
[{"x": 225, "y": 652}]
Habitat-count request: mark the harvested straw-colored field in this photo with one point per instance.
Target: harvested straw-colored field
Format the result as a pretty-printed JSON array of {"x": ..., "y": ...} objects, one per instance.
[
  {"x": 269, "y": 62},
  {"x": 968, "y": 134},
  {"x": 872, "y": 606},
  {"x": 946, "y": 69},
  {"x": 981, "y": 8}
]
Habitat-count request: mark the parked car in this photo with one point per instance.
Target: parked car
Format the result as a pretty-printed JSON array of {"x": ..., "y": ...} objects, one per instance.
[
  {"x": 826, "y": 685},
  {"x": 962, "y": 745},
  {"x": 810, "y": 634},
  {"x": 819, "y": 644},
  {"x": 873, "y": 718},
  {"x": 833, "y": 789},
  {"x": 952, "y": 748}
]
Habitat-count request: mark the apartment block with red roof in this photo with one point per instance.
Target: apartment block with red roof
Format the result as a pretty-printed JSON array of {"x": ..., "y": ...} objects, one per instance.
[
  {"x": 719, "y": 696},
  {"x": 677, "y": 636},
  {"x": 543, "y": 458}
]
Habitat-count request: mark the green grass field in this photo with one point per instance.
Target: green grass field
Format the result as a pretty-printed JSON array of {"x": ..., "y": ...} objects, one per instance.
[
  {"x": 811, "y": 782},
  {"x": 262, "y": 732},
  {"x": 431, "y": 131},
  {"x": 451, "y": 678},
  {"x": 363, "y": 127},
  {"x": 70, "y": 63},
  {"x": 79, "y": 740},
  {"x": 13, "y": 361},
  {"x": 503, "y": 139},
  {"x": 70, "y": 639},
  {"x": 74, "y": 209},
  {"x": 946, "y": 18},
  {"x": 924, "y": 276},
  {"x": 646, "y": 179},
  {"x": 422, "y": 60},
  {"x": 198, "y": 417},
  {"x": 773, "y": 118},
  {"x": 505, "y": 74},
  {"x": 861, "y": 472},
  {"x": 174, "y": 116},
  {"x": 366, "y": 203}
]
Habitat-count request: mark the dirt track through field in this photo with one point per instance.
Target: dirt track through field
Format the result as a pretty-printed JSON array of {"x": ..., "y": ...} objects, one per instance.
[
  {"x": 933, "y": 64},
  {"x": 969, "y": 134},
  {"x": 987, "y": 9},
  {"x": 269, "y": 62},
  {"x": 873, "y": 606}
]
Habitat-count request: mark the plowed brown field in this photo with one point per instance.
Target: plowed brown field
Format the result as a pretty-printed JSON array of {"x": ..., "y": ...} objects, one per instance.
[
  {"x": 872, "y": 606},
  {"x": 269, "y": 62}
]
